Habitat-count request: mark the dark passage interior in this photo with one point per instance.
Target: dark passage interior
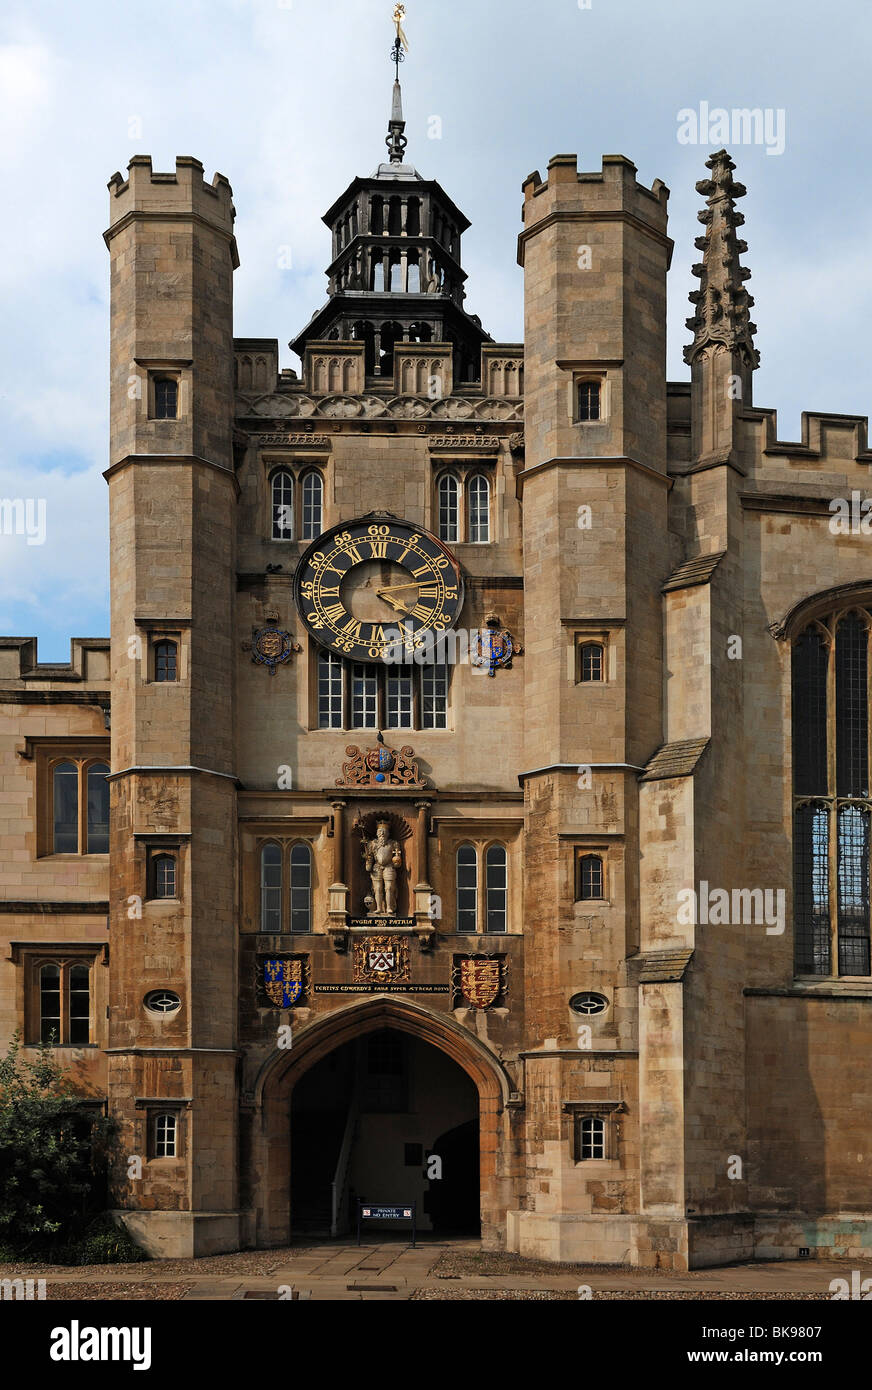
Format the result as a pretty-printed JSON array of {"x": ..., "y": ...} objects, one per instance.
[{"x": 387, "y": 1119}]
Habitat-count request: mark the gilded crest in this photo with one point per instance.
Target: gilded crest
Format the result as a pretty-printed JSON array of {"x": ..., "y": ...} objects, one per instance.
[
  {"x": 479, "y": 980},
  {"x": 272, "y": 647},
  {"x": 493, "y": 647},
  {"x": 381, "y": 767},
  {"x": 381, "y": 959}
]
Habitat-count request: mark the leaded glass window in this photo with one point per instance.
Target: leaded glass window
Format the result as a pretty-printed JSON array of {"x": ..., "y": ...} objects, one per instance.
[{"x": 831, "y": 794}]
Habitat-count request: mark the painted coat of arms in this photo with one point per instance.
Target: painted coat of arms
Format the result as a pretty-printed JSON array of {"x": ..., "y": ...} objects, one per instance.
[
  {"x": 492, "y": 648},
  {"x": 283, "y": 981},
  {"x": 480, "y": 980},
  {"x": 381, "y": 959},
  {"x": 271, "y": 647}
]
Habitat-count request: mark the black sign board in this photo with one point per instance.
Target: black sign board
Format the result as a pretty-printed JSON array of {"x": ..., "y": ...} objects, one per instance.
[
  {"x": 386, "y": 988},
  {"x": 368, "y": 1211},
  {"x": 380, "y": 923}
]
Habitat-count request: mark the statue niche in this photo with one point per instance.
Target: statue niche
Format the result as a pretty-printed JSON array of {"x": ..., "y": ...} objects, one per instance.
[{"x": 383, "y": 863}]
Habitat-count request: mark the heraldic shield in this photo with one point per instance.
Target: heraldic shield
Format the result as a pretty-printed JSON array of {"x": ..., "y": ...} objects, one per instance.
[
  {"x": 480, "y": 982},
  {"x": 283, "y": 982}
]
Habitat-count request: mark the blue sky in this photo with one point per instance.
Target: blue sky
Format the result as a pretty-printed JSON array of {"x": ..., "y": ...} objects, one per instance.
[{"x": 290, "y": 102}]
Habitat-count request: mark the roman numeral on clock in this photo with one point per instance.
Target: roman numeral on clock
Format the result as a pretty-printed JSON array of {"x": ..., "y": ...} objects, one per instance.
[{"x": 334, "y": 613}]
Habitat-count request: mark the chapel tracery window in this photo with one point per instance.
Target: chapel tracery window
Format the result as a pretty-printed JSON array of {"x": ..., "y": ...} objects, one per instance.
[{"x": 832, "y": 807}]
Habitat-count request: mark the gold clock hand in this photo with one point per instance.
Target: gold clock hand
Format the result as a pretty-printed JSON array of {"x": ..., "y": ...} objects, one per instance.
[{"x": 393, "y": 588}]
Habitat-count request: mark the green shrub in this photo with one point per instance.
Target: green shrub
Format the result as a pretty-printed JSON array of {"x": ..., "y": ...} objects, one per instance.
[
  {"x": 53, "y": 1156},
  {"x": 103, "y": 1243}
]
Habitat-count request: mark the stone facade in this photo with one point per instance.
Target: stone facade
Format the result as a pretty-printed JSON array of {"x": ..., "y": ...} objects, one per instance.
[{"x": 639, "y": 525}]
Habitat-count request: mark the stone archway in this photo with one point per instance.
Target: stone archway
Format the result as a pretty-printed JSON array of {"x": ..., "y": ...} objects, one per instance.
[{"x": 271, "y": 1140}]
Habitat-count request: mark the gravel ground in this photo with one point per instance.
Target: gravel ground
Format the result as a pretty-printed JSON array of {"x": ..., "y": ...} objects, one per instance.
[
  {"x": 430, "y": 1295},
  {"x": 249, "y": 1262},
  {"x": 485, "y": 1265},
  {"x": 125, "y": 1293}
]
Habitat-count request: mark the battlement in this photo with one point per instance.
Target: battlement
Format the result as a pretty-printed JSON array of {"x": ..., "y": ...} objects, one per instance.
[
  {"x": 614, "y": 189},
  {"x": 149, "y": 194},
  {"x": 88, "y": 663}
]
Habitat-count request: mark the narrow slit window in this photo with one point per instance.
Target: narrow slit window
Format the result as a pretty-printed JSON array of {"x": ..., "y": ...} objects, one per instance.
[
  {"x": 434, "y": 697},
  {"x": 301, "y": 889},
  {"x": 313, "y": 499},
  {"x": 467, "y": 889},
  {"x": 330, "y": 671},
  {"x": 80, "y": 1005},
  {"x": 449, "y": 508},
  {"x": 50, "y": 1004},
  {"x": 478, "y": 495},
  {"x": 400, "y": 699},
  {"x": 496, "y": 868},
  {"x": 66, "y": 808},
  {"x": 282, "y": 506},
  {"x": 98, "y": 809},
  {"x": 364, "y": 697},
  {"x": 271, "y": 889},
  {"x": 589, "y": 404}
]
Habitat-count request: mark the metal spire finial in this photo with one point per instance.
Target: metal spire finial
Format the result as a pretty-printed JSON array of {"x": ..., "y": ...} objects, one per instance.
[{"x": 396, "y": 140}]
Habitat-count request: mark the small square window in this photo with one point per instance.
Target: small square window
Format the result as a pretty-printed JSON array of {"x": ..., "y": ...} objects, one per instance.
[
  {"x": 166, "y": 661},
  {"x": 166, "y": 398},
  {"x": 163, "y": 876},
  {"x": 590, "y": 877},
  {"x": 589, "y": 401},
  {"x": 592, "y": 662},
  {"x": 590, "y": 1138}
]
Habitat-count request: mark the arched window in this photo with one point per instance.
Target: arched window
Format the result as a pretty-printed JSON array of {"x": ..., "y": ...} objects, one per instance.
[
  {"x": 166, "y": 398},
  {"x": 80, "y": 1005},
  {"x": 589, "y": 403},
  {"x": 831, "y": 793},
  {"x": 66, "y": 808},
  {"x": 165, "y": 1136},
  {"x": 50, "y": 1004},
  {"x": 591, "y": 1137},
  {"x": 166, "y": 661},
  {"x": 98, "y": 809},
  {"x": 282, "y": 506},
  {"x": 301, "y": 888},
  {"x": 467, "y": 889},
  {"x": 163, "y": 876},
  {"x": 592, "y": 663},
  {"x": 414, "y": 276},
  {"x": 313, "y": 494},
  {"x": 591, "y": 878},
  {"x": 271, "y": 890},
  {"x": 496, "y": 867},
  {"x": 449, "y": 508},
  {"x": 478, "y": 493}
]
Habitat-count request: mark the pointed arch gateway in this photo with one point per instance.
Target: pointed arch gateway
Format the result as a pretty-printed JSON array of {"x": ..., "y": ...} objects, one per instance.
[{"x": 271, "y": 1130}]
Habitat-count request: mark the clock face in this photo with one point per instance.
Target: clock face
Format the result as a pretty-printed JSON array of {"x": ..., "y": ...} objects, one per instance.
[{"x": 371, "y": 585}]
